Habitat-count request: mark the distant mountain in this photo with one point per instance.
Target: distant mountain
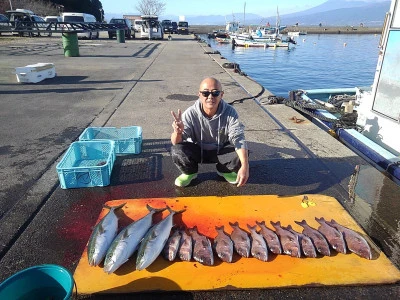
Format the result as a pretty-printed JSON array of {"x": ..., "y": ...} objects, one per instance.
[
  {"x": 329, "y": 13},
  {"x": 340, "y": 12}
]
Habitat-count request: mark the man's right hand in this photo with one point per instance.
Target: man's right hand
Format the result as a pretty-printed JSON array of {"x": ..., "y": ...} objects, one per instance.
[{"x": 177, "y": 124}]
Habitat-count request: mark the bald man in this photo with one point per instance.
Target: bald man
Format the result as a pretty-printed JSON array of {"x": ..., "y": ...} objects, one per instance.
[{"x": 209, "y": 132}]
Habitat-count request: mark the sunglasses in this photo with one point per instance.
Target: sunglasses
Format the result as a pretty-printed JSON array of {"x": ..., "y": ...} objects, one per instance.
[{"x": 213, "y": 93}]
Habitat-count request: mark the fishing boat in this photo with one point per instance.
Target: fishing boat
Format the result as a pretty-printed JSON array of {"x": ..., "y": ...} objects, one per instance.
[
  {"x": 368, "y": 120},
  {"x": 241, "y": 41},
  {"x": 296, "y": 33},
  {"x": 266, "y": 37},
  {"x": 223, "y": 40}
]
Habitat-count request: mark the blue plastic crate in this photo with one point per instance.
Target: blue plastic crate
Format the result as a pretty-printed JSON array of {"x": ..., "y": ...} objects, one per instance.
[
  {"x": 128, "y": 140},
  {"x": 87, "y": 164}
]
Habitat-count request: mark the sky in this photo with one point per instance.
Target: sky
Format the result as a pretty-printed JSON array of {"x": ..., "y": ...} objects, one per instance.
[
  {"x": 218, "y": 7},
  {"x": 215, "y": 7}
]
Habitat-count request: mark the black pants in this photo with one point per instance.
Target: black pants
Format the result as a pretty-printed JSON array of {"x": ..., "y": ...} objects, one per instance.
[{"x": 187, "y": 156}]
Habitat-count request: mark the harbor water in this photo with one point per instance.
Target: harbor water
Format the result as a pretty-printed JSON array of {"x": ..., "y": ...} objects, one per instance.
[{"x": 316, "y": 61}]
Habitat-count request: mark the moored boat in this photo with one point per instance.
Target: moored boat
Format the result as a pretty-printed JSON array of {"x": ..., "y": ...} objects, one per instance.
[{"x": 373, "y": 132}]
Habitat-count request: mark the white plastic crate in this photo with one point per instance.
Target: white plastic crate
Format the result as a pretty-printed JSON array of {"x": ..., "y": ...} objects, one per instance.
[{"x": 35, "y": 73}]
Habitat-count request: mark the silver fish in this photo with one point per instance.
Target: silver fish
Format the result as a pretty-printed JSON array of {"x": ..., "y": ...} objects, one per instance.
[
  {"x": 354, "y": 241},
  {"x": 127, "y": 241},
  {"x": 202, "y": 251},
  {"x": 320, "y": 242},
  {"x": 172, "y": 245},
  {"x": 259, "y": 248},
  {"x": 289, "y": 241},
  {"x": 241, "y": 240},
  {"x": 223, "y": 245},
  {"x": 102, "y": 236},
  {"x": 186, "y": 247},
  {"x": 333, "y": 236},
  {"x": 154, "y": 241},
  {"x": 307, "y": 246},
  {"x": 272, "y": 240}
]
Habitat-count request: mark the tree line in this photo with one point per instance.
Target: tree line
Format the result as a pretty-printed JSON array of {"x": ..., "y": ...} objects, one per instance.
[
  {"x": 55, "y": 7},
  {"x": 93, "y": 7}
]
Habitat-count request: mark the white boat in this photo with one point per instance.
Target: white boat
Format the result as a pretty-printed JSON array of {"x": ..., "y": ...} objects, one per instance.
[
  {"x": 296, "y": 33},
  {"x": 375, "y": 134},
  {"x": 266, "y": 43}
]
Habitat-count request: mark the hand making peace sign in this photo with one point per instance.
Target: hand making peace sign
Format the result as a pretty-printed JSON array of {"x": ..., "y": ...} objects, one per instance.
[{"x": 177, "y": 125}]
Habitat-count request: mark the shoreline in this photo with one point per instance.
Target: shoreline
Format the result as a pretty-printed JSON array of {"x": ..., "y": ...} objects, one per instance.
[{"x": 205, "y": 29}]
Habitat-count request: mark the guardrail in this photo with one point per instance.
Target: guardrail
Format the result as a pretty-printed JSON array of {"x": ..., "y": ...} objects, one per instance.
[{"x": 56, "y": 27}]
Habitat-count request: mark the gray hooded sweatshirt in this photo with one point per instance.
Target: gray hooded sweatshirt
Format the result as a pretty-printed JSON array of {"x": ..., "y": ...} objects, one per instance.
[{"x": 212, "y": 134}]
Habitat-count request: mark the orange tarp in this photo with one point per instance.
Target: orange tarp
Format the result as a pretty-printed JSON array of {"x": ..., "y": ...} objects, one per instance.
[{"x": 279, "y": 271}]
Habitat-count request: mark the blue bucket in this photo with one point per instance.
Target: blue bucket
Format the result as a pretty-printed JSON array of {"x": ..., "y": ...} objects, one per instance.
[{"x": 39, "y": 282}]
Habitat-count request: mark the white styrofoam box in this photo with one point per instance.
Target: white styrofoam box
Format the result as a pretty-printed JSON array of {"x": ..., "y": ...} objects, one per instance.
[{"x": 35, "y": 73}]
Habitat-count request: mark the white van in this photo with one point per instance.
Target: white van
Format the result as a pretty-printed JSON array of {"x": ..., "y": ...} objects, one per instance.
[
  {"x": 81, "y": 18},
  {"x": 137, "y": 25},
  {"x": 151, "y": 28}
]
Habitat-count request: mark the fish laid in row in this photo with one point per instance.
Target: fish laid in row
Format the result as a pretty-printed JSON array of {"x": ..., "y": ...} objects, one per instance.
[
  {"x": 271, "y": 238},
  {"x": 102, "y": 236},
  {"x": 172, "y": 245},
  {"x": 127, "y": 241},
  {"x": 306, "y": 244},
  {"x": 154, "y": 241},
  {"x": 186, "y": 247},
  {"x": 334, "y": 237},
  {"x": 259, "y": 248},
  {"x": 354, "y": 241},
  {"x": 202, "y": 250},
  {"x": 320, "y": 242},
  {"x": 223, "y": 245},
  {"x": 289, "y": 241},
  {"x": 241, "y": 240}
]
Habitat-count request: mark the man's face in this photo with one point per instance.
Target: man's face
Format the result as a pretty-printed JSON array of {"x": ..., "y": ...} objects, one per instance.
[{"x": 210, "y": 95}]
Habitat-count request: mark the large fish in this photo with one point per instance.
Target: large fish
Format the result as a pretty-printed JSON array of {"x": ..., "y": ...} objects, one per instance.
[
  {"x": 289, "y": 241},
  {"x": 259, "y": 248},
  {"x": 354, "y": 241},
  {"x": 102, "y": 236},
  {"x": 241, "y": 240},
  {"x": 202, "y": 251},
  {"x": 223, "y": 245},
  {"x": 172, "y": 245},
  {"x": 272, "y": 240},
  {"x": 333, "y": 236},
  {"x": 127, "y": 241},
  {"x": 318, "y": 239},
  {"x": 186, "y": 247},
  {"x": 307, "y": 246},
  {"x": 154, "y": 241}
]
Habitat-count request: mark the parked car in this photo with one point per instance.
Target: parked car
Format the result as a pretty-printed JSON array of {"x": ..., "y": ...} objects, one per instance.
[
  {"x": 4, "y": 23},
  {"x": 174, "y": 27},
  {"x": 137, "y": 25},
  {"x": 52, "y": 19},
  {"x": 151, "y": 28},
  {"x": 167, "y": 26},
  {"x": 183, "y": 27},
  {"x": 129, "y": 33},
  {"x": 71, "y": 17},
  {"x": 26, "y": 20}
]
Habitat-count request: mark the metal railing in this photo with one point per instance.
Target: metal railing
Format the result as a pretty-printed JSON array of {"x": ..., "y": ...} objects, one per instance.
[{"x": 56, "y": 27}]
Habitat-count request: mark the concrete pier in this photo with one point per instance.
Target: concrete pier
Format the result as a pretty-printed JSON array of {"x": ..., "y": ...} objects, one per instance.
[{"x": 139, "y": 83}]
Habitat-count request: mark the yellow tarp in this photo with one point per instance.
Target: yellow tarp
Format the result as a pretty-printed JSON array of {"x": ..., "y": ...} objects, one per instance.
[{"x": 279, "y": 271}]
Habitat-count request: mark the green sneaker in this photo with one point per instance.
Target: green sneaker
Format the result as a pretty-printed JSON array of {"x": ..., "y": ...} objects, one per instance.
[
  {"x": 230, "y": 177},
  {"x": 184, "y": 179}
]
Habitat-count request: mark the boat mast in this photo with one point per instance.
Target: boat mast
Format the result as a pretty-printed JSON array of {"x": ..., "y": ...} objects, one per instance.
[
  {"x": 278, "y": 22},
  {"x": 244, "y": 16}
]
